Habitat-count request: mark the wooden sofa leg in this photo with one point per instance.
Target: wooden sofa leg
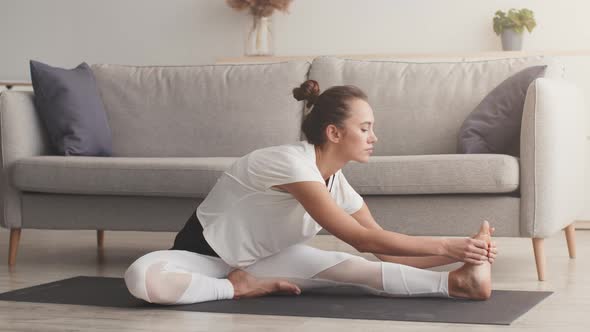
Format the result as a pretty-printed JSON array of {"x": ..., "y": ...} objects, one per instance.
[
  {"x": 100, "y": 238},
  {"x": 13, "y": 245},
  {"x": 570, "y": 237},
  {"x": 539, "y": 250}
]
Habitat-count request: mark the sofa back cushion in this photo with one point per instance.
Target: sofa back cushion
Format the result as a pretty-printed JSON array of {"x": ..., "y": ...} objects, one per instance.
[
  {"x": 419, "y": 107},
  {"x": 200, "y": 111}
]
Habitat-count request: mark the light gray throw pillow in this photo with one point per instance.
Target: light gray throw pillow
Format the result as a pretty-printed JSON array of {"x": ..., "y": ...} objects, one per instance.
[{"x": 494, "y": 125}]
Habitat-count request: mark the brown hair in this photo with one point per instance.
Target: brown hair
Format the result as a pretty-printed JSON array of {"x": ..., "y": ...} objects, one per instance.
[{"x": 329, "y": 107}]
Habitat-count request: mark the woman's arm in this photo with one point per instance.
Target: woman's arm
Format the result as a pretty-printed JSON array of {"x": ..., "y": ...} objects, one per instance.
[
  {"x": 365, "y": 218},
  {"x": 317, "y": 201}
]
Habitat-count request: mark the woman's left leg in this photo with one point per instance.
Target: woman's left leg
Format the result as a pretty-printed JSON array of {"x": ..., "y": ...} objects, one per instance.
[{"x": 311, "y": 268}]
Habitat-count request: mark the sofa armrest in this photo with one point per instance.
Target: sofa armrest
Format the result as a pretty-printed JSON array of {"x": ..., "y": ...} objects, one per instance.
[
  {"x": 553, "y": 157},
  {"x": 21, "y": 135}
]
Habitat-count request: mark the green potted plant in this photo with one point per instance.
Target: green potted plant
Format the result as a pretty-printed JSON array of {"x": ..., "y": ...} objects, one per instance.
[{"x": 510, "y": 26}]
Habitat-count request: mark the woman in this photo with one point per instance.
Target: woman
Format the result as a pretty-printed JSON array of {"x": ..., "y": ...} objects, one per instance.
[{"x": 246, "y": 238}]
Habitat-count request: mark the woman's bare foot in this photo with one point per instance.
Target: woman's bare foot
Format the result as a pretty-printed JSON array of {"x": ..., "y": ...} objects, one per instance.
[
  {"x": 473, "y": 281},
  {"x": 246, "y": 285}
]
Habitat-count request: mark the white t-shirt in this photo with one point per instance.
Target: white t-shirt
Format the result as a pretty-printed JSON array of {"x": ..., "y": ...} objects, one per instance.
[{"x": 244, "y": 219}]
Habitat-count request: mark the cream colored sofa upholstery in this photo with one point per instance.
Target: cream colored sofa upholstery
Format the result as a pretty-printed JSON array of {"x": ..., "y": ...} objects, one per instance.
[{"x": 176, "y": 129}]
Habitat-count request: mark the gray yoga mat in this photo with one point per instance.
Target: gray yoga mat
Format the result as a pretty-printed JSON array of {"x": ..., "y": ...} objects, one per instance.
[{"x": 336, "y": 302}]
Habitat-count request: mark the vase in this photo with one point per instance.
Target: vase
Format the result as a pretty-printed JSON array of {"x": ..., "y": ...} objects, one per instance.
[
  {"x": 259, "y": 40},
  {"x": 511, "y": 40}
]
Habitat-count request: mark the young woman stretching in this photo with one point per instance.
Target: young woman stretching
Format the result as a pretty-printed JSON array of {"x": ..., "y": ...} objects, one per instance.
[{"x": 246, "y": 238}]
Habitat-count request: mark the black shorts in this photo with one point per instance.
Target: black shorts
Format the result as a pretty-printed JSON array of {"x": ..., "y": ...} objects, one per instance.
[{"x": 190, "y": 238}]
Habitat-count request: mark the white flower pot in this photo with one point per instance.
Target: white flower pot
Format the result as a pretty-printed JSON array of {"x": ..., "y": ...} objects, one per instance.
[
  {"x": 512, "y": 40},
  {"x": 259, "y": 41}
]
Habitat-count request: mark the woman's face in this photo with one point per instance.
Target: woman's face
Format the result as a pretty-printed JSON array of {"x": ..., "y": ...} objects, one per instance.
[{"x": 358, "y": 136}]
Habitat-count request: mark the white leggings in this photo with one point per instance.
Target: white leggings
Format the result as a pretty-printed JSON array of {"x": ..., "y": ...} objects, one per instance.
[{"x": 184, "y": 277}]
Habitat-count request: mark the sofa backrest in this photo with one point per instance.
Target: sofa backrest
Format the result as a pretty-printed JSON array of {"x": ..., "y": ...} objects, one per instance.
[
  {"x": 200, "y": 111},
  {"x": 419, "y": 107}
]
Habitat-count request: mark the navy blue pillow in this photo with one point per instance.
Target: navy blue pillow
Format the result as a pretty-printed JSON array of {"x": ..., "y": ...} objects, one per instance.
[{"x": 69, "y": 105}]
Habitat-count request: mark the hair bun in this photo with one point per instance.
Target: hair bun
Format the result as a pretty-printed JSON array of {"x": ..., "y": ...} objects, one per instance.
[{"x": 308, "y": 91}]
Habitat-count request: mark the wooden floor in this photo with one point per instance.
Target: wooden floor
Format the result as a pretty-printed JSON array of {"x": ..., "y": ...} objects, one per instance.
[{"x": 46, "y": 256}]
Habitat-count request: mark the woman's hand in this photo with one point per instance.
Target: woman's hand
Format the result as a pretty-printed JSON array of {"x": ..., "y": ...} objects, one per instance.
[
  {"x": 492, "y": 249},
  {"x": 492, "y": 252},
  {"x": 468, "y": 250}
]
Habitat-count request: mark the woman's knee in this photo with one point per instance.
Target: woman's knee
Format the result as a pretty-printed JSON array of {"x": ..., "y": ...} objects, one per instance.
[
  {"x": 165, "y": 287},
  {"x": 152, "y": 282},
  {"x": 135, "y": 281}
]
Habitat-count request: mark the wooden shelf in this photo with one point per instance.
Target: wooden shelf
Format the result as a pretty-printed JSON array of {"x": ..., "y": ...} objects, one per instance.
[
  {"x": 11, "y": 84},
  {"x": 467, "y": 55},
  {"x": 15, "y": 83}
]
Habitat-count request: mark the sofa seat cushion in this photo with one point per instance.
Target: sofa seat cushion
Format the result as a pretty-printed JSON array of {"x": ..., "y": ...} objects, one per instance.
[
  {"x": 434, "y": 174},
  {"x": 195, "y": 177},
  {"x": 176, "y": 177}
]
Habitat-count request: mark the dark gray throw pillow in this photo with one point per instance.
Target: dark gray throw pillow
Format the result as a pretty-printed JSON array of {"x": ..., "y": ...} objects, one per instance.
[
  {"x": 494, "y": 125},
  {"x": 69, "y": 105}
]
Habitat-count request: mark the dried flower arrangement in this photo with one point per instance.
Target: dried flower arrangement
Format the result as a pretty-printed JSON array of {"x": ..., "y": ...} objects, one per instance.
[{"x": 260, "y": 8}]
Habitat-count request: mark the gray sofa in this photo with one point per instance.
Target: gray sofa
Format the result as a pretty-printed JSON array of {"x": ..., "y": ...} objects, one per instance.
[{"x": 176, "y": 129}]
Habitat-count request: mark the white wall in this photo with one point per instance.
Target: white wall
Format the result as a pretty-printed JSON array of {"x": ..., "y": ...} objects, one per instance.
[
  {"x": 143, "y": 32},
  {"x": 67, "y": 32}
]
